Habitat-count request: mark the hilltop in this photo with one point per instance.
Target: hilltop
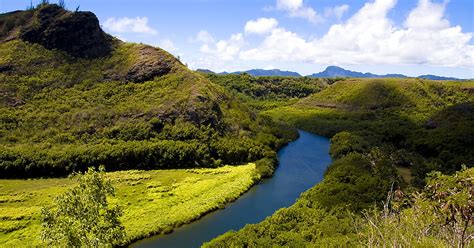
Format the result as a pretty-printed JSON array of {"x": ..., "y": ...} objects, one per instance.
[
  {"x": 77, "y": 33},
  {"x": 66, "y": 105}
]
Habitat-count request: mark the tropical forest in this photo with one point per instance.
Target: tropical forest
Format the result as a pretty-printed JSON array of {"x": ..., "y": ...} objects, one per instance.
[{"x": 149, "y": 123}]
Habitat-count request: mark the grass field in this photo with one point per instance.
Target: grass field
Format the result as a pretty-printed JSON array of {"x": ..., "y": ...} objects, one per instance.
[{"x": 153, "y": 201}]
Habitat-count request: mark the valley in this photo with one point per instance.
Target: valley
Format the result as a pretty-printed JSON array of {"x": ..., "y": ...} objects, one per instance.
[{"x": 174, "y": 157}]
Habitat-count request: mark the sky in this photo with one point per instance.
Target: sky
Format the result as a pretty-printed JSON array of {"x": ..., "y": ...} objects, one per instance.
[{"x": 412, "y": 37}]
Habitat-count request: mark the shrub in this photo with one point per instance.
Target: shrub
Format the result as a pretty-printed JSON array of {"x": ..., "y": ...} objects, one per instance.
[{"x": 82, "y": 217}]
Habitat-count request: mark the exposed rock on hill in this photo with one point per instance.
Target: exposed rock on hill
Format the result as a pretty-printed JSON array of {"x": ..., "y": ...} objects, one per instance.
[
  {"x": 151, "y": 63},
  {"x": 77, "y": 33}
]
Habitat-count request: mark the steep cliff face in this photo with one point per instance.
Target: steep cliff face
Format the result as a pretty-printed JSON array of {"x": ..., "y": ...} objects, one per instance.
[{"x": 77, "y": 33}]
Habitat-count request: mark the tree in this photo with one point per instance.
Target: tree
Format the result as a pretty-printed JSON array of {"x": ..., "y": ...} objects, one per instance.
[
  {"x": 62, "y": 4},
  {"x": 31, "y": 7},
  {"x": 82, "y": 217}
]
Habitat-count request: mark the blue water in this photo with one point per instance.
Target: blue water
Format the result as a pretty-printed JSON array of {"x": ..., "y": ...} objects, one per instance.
[{"x": 302, "y": 164}]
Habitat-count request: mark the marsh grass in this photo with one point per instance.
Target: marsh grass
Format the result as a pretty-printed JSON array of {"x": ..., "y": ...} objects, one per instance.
[{"x": 154, "y": 202}]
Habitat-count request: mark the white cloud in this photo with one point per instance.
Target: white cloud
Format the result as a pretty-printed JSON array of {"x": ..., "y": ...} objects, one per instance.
[
  {"x": 224, "y": 50},
  {"x": 280, "y": 45},
  {"x": 427, "y": 15},
  {"x": 369, "y": 37},
  {"x": 269, "y": 67},
  {"x": 336, "y": 11},
  {"x": 203, "y": 36},
  {"x": 296, "y": 8},
  {"x": 290, "y": 5},
  {"x": 129, "y": 25},
  {"x": 121, "y": 38},
  {"x": 167, "y": 45},
  {"x": 261, "y": 25}
]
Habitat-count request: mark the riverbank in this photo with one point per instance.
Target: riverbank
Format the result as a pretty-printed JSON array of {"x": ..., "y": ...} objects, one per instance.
[
  {"x": 154, "y": 202},
  {"x": 302, "y": 164}
]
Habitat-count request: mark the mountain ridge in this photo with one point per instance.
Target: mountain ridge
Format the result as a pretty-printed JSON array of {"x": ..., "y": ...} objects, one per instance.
[{"x": 329, "y": 72}]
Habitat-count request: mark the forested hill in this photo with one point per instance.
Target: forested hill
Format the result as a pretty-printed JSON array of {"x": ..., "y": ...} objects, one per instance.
[
  {"x": 72, "y": 96},
  {"x": 387, "y": 138}
]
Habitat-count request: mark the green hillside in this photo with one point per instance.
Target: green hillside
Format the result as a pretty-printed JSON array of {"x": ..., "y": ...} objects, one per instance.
[
  {"x": 262, "y": 93},
  {"x": 135, "y": 107},
  {"x": 73, "y": 97},
  {"x": 426, "y": 118},
  {"x": 386, "y": 133}
]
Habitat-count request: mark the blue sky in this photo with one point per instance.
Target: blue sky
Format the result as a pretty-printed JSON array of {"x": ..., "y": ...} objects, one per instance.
[{"x": 413, "y": 37}]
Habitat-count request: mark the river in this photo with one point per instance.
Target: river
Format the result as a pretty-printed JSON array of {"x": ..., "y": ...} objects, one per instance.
[{"x": 302, "y": 164}]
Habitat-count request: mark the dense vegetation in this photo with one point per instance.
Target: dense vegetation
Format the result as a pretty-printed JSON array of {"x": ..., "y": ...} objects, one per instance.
[
  {"x": 439, "y": 216},
  {"x": 137, "y": 107},
  {"x": 385, "y": 134},
  {"x": 263, "y": 93},
  {"x": 423, "y": 125},
  {"x": 133, "y": 106},
  {"x": 153, "y": 201}
]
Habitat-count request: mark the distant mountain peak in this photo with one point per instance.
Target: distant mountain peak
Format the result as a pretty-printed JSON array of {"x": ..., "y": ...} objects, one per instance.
[
  {"x": 336, "y": 71},
  {"x": 331, "y": 71},
  {"x": 333, "y": 67}
]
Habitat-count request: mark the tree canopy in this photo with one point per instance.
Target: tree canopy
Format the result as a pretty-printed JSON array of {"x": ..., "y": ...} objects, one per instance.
[{"x": 82, "y": 216}]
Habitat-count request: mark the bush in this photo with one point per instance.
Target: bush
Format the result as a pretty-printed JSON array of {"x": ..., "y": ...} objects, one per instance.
[
  {"x": 344, "y": 143},
  {"x": 82, "y": 217},
  {"x": 266, "y": 166}
]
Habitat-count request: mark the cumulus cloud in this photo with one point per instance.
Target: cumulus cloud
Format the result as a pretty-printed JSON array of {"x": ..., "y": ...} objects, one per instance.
[
  {"x": 336, "y": 11},
  {"x": 280, "y": 44},
  {"x": 167, "y": 45},
  {"x": 261, "y": 25},
  {"x": 203, "y": 36},
  {"x": 290, "y": 5},
  {"x": 419, "y": 19},
  {"x": 296, "y": 8},
  {"x": 129, "y": 25},
  {"x": 369, "y": 37},
  {"x": 224, "y": 49}
]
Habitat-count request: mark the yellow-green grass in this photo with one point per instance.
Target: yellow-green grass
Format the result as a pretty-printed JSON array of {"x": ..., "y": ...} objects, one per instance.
[
  {"x": 405, "y": 173},
  {"x": 153, "y": 201}
]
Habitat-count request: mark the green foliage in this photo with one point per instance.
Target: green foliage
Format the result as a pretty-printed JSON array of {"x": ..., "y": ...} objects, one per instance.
[
  {"x": 82, "y": 217},
  {"x": 266, "y": 166},
  {"x": 353, "y": 183},
  {"x": 268, "y": 92},
  {"x": 322, "y": 216},
  {"x": 378, "y": 128},
  {"x": 344, "y": 143},
  {"x": 268, "y": 88},
  {"x": 431, "y": 123},
  {"x": 62, "y": 114},
  {"x": 441, "y": 216},
  {"x": 166, "y": 198}
]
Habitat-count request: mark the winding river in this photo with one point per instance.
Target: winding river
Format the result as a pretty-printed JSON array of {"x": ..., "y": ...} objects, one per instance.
[{"x": 302, "y": 164}]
